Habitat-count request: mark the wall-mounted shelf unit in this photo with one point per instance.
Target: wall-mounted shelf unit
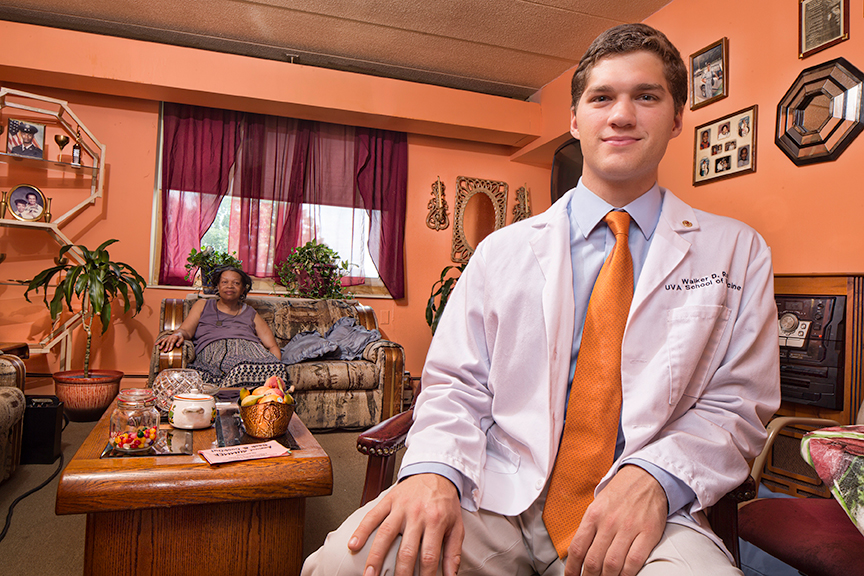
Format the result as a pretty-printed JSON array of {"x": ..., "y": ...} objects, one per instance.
[{"x": 58, "y": 119}]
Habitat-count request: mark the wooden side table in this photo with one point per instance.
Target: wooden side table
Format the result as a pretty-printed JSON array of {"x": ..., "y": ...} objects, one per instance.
[
  {"x": 158, "y": 515},
  {"x": 20, "y": 349}
]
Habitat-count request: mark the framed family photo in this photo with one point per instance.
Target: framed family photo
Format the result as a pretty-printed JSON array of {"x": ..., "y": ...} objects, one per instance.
[
  {"x": 25, "y": 138},
  {"x": 821, "y": 24},
  {"x": 709, "y": 71},
  {"x": 725, "y": 147},
  {"x": 27, "y": 203}
]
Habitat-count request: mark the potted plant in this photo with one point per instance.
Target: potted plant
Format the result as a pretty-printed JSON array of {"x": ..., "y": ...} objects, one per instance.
[
  {"x": 313, "y": 270},
  {"x": 91, "y": 287},
  {"x": 207, "y": 260},
  {"x": 441, "y": 290}
]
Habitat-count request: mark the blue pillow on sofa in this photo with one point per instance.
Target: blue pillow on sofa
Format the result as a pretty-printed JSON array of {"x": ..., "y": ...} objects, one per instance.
[
  {"x": 306, "y": 346},
  {"x": 352, "y": 339}
]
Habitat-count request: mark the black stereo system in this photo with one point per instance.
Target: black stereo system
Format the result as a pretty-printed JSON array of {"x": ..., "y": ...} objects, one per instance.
[{"x": 812, "y": 344}]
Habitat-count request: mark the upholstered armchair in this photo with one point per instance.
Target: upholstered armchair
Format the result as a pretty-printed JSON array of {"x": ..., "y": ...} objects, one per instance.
[
  {"x": 12, "y": 404},
  {"x": 330, "y": 394}
]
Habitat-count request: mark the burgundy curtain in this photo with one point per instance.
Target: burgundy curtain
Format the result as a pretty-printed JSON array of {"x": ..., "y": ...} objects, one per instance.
[
  {"x": 288, "y": 161},
  {"x": 199, "y": 149},
  {"x": 381, "y": 166}
]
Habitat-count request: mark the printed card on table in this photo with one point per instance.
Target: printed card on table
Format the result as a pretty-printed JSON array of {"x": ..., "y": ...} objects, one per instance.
[{"x": 242, "y": 452}]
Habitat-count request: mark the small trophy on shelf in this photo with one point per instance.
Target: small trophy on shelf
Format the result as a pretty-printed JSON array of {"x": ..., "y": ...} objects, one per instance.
[
  {"x": 48, "y": 208},
  {"x": 62, "y": 140},
  {"x": 76, "y": 149},
  {"x": 3, "y": 204}
]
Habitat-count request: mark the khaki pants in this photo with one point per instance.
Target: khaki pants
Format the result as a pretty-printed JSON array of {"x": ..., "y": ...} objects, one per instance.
[{"x": 520, "y": 546}]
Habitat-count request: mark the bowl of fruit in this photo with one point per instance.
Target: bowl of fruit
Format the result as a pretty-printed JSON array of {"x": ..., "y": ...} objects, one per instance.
[{"x": 267, "y": 410}]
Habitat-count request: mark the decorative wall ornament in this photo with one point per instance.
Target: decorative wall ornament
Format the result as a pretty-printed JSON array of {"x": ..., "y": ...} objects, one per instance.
[
  {"x": 821, "y": 113},
  {"x": 466, "y": 189},
  {"x": 437, "y": 218},
  {"x": 522, "y": 208}
]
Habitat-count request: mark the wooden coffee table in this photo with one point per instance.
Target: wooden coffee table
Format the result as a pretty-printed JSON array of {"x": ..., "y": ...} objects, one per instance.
[{"x": 159, "y": 515}]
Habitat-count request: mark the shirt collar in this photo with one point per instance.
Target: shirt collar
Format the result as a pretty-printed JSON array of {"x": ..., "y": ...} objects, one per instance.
[{"x": 644, "y": 211}]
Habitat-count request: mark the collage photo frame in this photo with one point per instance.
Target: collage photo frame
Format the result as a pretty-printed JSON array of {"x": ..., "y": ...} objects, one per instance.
[{"x": 725, "y": 147}]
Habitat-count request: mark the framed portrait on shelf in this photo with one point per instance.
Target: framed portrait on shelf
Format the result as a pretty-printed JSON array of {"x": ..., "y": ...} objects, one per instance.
[
  {"x": 821, "y": 24},
  {"x": 25, "y": 138},
  {"x": 726, "y": 147},
  {"x": 27, "y": 203},
  {"x": 709, "y": 73}
]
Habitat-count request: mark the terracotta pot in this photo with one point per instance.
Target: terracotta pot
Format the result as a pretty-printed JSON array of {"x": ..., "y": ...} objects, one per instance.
[{"x": 86, "y": 399}]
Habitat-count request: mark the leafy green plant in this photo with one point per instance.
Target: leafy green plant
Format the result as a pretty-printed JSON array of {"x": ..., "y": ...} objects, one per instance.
[
  {"x": 93, "y": 285},
  {"x": 207, "y": 260},
  {"x": 441, "y": 290},
  {"x": 313, "y": 270}
]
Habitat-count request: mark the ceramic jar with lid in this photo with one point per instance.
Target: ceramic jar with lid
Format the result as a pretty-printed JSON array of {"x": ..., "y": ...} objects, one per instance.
[
  {"x": 134, "y": 425},
  {"x": 192, "y": 411}
]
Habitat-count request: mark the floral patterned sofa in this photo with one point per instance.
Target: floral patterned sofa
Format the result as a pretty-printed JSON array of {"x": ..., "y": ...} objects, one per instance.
[
  {"x": 330, "y": 394},
  {"x": 12, "y": 404}
]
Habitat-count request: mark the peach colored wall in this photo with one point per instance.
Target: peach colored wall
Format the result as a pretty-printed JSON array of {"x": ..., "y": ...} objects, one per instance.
[
  {"x": 128, "y": 127},
  {"x": 796, "y": 209},
  {"x": 809, "y": 215}
]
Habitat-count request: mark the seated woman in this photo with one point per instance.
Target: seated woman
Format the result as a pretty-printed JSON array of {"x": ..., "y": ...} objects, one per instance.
[{"x": 233, "y": 344}]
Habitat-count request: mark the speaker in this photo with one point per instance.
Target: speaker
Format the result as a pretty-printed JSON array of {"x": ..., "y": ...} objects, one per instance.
[{"x": 43, "y": 427}]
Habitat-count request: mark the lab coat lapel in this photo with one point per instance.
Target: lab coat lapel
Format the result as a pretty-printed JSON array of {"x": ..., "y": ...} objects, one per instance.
[
  {"x": 550, "y": 242},
  {"x": 667, "y": 249}
]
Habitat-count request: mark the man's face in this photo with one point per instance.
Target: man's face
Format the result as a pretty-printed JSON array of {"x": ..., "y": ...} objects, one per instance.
[
  {"x": 26, "y": 137},
  {"x": 624, "y": 120},
  {"x": 31, "y": 199}
]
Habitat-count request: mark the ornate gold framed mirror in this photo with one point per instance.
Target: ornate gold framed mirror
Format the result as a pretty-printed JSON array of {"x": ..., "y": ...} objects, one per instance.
[{"x": 479, "y": 210}]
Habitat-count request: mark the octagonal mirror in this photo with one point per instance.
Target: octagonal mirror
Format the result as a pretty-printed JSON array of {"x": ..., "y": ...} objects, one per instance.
[{"x": 821, "y": 113}]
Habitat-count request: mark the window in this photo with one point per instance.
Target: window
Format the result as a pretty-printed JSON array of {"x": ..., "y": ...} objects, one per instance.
[
  {"x": 261, "y": 185},
  {"x": 342, "y": 229}
]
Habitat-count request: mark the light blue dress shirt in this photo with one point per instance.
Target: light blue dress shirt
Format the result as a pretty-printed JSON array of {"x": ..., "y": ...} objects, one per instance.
[{"x": 591, "y": 241}]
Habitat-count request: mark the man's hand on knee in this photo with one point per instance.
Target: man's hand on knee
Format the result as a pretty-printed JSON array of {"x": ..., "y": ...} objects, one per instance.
[
  {"x": 620, "y": 528},
  {"x": 425, "y": 510}
]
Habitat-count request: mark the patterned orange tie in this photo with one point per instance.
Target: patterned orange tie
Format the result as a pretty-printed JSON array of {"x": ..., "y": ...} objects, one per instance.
[{"x": 593, "y": 412}]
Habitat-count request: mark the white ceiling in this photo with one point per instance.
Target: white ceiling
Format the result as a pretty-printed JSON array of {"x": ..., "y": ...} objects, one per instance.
[{"x": 508, "y": 48}]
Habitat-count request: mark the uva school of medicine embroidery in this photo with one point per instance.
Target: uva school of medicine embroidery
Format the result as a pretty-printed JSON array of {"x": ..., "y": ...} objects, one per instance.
[{"x": 718, "y": 279}]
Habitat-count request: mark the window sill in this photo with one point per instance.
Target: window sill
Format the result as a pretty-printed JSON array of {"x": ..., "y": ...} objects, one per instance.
[{"x": 373, "y": 288}]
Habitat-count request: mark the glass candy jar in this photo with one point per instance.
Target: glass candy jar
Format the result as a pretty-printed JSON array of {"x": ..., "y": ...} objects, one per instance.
[{"x": 135, "y": 421}]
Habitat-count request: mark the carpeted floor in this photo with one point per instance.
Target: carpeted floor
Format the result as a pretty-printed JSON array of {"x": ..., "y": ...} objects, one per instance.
[{"x": 39, "y": 542}]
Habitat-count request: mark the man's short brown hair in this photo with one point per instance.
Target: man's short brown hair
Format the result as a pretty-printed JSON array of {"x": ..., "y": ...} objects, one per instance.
[{"x": 627, "y": 38}]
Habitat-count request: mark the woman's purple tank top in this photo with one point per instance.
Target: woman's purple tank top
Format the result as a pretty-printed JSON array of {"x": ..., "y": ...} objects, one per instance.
[{"x": 215, "y": 325}]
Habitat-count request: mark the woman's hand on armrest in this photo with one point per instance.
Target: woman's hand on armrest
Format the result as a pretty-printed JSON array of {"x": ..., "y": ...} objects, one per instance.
[
  {"x": 185, "y": 331},
  {"x": 171, "y": 341}
]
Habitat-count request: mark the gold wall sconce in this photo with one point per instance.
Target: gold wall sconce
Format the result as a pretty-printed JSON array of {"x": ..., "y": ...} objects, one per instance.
[
  {"x": 522, "y": 208},
  {"x": 437, "y": 218}
]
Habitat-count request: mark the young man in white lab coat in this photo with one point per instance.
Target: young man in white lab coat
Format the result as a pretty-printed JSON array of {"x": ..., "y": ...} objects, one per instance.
[{"x": 699, "y": 367}]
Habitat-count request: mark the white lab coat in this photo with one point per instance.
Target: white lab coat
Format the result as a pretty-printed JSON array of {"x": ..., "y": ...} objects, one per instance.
[{"x": 700, "y": 361}]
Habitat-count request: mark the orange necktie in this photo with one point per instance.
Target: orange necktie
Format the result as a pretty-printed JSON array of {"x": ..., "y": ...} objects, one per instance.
[{"x": 593, "y": 412}]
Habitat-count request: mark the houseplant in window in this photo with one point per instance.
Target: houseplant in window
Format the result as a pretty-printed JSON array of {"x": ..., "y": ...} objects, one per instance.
[
  {"x": 207, "y": 260},
  {"x": 313, "y": 270},
  {"x": 89, "y": 289}
]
